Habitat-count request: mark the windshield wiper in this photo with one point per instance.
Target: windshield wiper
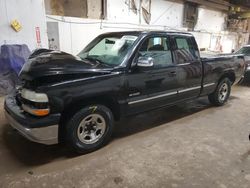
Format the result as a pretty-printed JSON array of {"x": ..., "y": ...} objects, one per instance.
[{"x": 94, "y": 58}]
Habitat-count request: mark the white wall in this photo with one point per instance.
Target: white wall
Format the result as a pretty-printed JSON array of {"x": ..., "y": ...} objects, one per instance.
[
  {"x": 203, "y": 39},
  {"x": 167, "y": 13},
  {"x": 118, "y": 11},
  {"x": 76, "y": 33},
  {"x": 162, "y": 13},
  {"x": 31, "y": 14},
  {"x": 210, "y": 20}
]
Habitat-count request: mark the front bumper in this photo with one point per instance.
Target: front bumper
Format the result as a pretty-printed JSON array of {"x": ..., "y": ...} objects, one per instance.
[{"x": 42, "y": 130}]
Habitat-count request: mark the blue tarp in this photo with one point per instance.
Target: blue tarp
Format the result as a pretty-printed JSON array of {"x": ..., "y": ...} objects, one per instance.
[{"x": 12, "y": 58}]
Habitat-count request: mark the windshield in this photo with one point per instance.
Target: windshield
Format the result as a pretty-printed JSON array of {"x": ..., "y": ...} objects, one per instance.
[
  {"x": 244, "y": 51},
  {"x": 109, "y": 50}
]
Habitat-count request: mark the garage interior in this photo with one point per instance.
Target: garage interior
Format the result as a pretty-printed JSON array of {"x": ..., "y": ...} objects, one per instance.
[{"x": 192, "y": 144}]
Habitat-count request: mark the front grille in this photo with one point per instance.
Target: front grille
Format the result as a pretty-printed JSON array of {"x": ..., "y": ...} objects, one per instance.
[{"x": 18, "y": 98}]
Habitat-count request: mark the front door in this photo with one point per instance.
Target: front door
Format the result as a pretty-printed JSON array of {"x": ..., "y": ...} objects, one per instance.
[{"x": 152, "y": 87}]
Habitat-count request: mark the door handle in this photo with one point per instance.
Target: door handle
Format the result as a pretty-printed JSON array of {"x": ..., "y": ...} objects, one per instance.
[{"x": 172, "y": 73}]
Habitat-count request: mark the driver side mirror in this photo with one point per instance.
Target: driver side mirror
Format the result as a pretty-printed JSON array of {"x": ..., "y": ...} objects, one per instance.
[{"x": 145, "y": 62}]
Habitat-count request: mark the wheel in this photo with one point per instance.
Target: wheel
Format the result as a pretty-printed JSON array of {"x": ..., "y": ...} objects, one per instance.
[
  {"x": 220, "y": 96},
  {"x": 90, "y": 128}
]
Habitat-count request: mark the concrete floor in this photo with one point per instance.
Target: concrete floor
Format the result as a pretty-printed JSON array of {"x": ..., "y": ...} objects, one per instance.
[{"x": 190, "y": 145}]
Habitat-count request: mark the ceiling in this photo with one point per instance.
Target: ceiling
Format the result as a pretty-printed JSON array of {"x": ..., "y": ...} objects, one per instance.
[
  {"x": 222, "y": 4},
  {"x": 243, "y": 3}
]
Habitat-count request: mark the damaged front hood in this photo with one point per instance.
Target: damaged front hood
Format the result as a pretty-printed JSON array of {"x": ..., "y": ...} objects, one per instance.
[{"x": 45, "y": 62}]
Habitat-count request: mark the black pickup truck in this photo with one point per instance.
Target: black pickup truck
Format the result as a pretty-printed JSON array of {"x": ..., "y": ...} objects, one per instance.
[{"x": 77, "y": 98}]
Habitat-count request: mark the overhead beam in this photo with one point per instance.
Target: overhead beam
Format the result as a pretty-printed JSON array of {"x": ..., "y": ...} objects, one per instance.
[
  {"x": 244, "y": 14},
  {"x": 222, "y": 2},
  {"x": 212, "y": 4},
  {"x": 243, "y": 3}
]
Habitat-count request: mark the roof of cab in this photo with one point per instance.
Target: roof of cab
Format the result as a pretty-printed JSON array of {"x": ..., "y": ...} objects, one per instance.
[{"x": 138, "y": 32}]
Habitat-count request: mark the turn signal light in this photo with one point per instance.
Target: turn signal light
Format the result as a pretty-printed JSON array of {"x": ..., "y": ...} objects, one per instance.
[
  {"x": 36, "y": 112},
  {"x": 41, "y": 112}
]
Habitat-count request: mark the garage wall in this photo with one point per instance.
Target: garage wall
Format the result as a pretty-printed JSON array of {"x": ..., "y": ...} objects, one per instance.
[
  {"x": 31, "y": 14},
  {"x": 162, "y": 13},
  {"x": 118, "y": 11},
  {"x": 76, "y": 33},
  {"x": 210, "y": 20}
]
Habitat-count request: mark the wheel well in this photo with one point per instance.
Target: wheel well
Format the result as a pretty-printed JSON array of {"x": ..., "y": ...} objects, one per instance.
[
  {"x": 229, "y": 75},
  {"x": 107, "y": 101},
  {"x": 75, "y": 106}
]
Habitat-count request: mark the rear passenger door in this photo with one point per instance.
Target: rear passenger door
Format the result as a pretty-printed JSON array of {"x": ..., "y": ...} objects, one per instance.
[{"x": 189, "y": 67}]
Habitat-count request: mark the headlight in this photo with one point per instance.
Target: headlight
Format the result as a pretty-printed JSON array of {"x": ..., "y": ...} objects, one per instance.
[
  {"x": 36, "y": 103},
  {"x": 33, "y": 96}
]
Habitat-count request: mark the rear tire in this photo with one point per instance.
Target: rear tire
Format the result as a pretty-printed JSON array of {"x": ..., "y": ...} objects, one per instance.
[
  {"x": 220, "y": 96},
  {"x": 90, "y": 128}
]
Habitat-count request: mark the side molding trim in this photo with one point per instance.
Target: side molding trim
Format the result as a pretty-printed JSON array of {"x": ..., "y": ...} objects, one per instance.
[
  {"x": 154, "y": 97},
  {"x": 207, "y": 85},
  {"x": 169, "y": 94},
  {"x": 189, "y": 89}
]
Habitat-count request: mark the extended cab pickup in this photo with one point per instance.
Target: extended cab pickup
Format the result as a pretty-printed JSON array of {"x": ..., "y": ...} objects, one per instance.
[{"x": 77, "y": 98}]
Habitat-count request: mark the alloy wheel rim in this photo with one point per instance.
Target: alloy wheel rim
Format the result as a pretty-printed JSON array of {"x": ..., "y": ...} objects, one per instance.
[
  {"x": 91, "y": 129},
  {"x": 223, "y": 91}
]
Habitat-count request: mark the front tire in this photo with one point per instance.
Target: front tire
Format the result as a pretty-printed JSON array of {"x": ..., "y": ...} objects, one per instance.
[
  {"x": 90, "y": 128},
  {"x": 220, "y": 96}
]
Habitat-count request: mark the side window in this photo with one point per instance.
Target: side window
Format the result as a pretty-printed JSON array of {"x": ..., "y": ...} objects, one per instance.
[
  {"x": 158, "y": 49},
  {"x": 186, "y": 50}
]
